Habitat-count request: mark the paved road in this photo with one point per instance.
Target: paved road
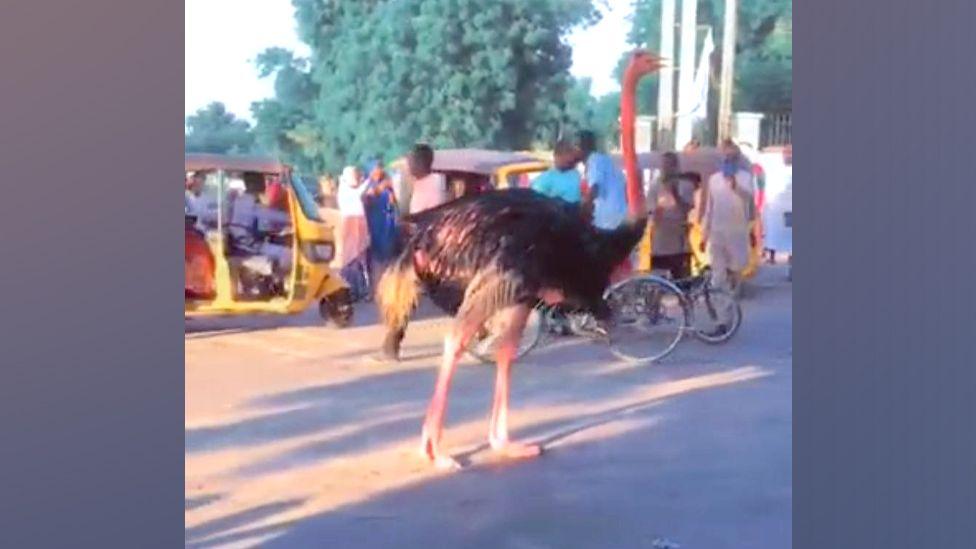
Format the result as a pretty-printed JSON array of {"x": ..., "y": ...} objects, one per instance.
[{"x": 294, "y": 440}]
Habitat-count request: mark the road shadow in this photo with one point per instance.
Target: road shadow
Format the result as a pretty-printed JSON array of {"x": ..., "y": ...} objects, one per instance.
[
  {"x": 199, "y": 501},
  {"x": 365, "y": 314},
  {"x": 582, "y": 492},
  {"x": 416, "y": 515},
  {"x": 347, "y": 418},
  {"x": 237, "y": 520}
]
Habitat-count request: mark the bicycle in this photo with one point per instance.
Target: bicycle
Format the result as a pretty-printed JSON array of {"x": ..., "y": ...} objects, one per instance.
[{"x": 649, "y": 316}]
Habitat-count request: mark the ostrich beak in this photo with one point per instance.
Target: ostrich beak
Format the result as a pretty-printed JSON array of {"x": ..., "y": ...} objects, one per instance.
[{"x": 660, "y": 60}]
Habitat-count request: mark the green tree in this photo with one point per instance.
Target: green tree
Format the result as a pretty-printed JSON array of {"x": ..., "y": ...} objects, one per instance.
[
  {"x": 764, "y": 75},
  {"x": 214, "y": 130},
  {"x": 284, "y": 125},
  {"x": 455, "y": 73},
  {"x": 764, "y": 50},
  {"x": 606, "y": 118},
  {"x": 598, "y": 114},
  {"x": 580, "y": 106}
]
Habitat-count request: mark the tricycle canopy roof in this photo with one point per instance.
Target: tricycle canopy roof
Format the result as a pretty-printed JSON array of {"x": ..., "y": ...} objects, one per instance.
[
  {"x": 705, "y": 161},
  {"x": 239, "y": 163},
  {"x": 479, "y": 161}
]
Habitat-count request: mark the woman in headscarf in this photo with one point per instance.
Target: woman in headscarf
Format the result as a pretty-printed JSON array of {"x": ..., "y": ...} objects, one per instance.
[
  {"x": 354, "y": 235},
  {"x": 353, "y": 232},
  {"x": 381, "y": 209}
]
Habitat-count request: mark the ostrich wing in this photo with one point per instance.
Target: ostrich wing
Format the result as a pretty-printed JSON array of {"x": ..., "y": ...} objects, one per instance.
[{"x": 501, "y": 248}]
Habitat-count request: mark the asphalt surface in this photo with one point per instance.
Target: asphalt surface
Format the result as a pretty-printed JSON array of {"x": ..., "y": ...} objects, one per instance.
[{"x": 293, "y": 439}]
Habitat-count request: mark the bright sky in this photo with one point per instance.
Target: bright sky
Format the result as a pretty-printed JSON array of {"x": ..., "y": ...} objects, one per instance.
[{"x": 219, "y": 53}]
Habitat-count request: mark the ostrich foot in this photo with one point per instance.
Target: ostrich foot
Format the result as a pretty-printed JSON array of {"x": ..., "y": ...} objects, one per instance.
[
  {"x": 440, "y": 460},
  {"x": 445, "y": 462},
  {"x": 516, "y": 450}
]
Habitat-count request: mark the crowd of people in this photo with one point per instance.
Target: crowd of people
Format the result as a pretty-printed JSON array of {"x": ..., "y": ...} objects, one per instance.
[
  {"x": 369, "y": 206},
  {"x": 724, "y": 205}
]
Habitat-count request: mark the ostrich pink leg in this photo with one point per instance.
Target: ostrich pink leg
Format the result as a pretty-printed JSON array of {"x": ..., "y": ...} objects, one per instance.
[
  {"x": 454, "y": 345},
  {"x": 515, "y": 319}
]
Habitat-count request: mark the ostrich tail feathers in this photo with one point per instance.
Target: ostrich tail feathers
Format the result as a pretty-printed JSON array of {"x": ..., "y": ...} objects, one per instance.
[{"x": 398, "y": 292}]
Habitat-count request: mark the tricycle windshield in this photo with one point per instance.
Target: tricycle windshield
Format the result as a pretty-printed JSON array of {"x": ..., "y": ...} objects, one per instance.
[{"x": 305, "y": 199}]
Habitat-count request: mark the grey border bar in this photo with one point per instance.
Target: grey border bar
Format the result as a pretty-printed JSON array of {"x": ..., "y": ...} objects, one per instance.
[
  {"x": 91, "y": 361},
  {"x": 885, "y": 373}
]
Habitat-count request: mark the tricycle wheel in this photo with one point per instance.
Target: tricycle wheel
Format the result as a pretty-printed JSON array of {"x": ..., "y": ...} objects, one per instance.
[{"x": 337, "y": 307}]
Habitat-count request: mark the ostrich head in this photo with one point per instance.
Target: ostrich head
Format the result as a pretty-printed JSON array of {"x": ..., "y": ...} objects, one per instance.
[{"x": 643, "y": 62}]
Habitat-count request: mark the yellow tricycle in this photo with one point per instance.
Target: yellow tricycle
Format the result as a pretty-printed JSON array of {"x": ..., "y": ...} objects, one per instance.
[{"x": 283, "y": 268}]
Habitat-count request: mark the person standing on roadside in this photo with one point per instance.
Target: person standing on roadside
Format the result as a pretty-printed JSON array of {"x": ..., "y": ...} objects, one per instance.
[
  {"x": 381, "y": 209},
  {"x": 670, "y": 199},
  {"x": 353, "y": 231},
  {"x": 729, "y": 208},
  {"x": 562, "y": 180},
  {"x": 429, "y": 188},
  {"x": 606, "y": 183}
]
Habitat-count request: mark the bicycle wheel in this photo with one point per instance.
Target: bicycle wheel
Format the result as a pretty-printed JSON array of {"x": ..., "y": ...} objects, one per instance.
[
  {"x": 715, "y": 315},
  {"x": 485, "y": 344},
  {"x": 648, "y": 318}
]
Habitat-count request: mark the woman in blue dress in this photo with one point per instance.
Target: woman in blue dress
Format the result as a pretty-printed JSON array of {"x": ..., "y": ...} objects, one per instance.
[{"x": 381, "y": 209}]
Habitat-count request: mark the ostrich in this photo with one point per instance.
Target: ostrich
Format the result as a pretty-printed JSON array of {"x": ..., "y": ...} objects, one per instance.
[{"x": 499, "y": 253}]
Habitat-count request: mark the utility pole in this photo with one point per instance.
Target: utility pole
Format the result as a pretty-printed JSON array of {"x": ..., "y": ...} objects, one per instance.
[
  {"x": 727, "y": 80},
  {"x": 665, "y": 92},
  {"x": 686, "y": 72}
]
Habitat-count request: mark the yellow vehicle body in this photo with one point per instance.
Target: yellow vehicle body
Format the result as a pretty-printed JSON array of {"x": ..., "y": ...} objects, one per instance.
[
  {"x": 311, "y": 278},
  {"x": 507, "y": 176},
  {"x": 699, "y": 260}
]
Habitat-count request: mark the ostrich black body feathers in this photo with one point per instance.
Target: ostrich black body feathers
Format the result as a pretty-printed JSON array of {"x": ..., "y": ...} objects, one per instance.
[{"x": 479, "y": 254}]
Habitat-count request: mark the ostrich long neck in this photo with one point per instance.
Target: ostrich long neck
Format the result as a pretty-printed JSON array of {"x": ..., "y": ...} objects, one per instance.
[{"x": 628, "y": 113}]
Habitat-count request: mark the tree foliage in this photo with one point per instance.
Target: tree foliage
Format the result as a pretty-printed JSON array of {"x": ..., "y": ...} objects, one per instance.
[
  {"x": 384, "y": 74},
  {"x": 284, "y": 124},
  {"x": 598, "y": 114},
  {"x": 214, "y": 130},
  {"x": 764, "y": 50}
]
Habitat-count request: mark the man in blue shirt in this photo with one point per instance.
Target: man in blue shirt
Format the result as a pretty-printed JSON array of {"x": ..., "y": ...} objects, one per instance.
[
  {"x": 562, "y": 180},
  {"x": 606, "y": 182}
]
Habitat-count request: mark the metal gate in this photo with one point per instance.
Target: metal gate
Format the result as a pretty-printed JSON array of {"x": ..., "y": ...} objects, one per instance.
[{"x": 776, "y": 129}]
